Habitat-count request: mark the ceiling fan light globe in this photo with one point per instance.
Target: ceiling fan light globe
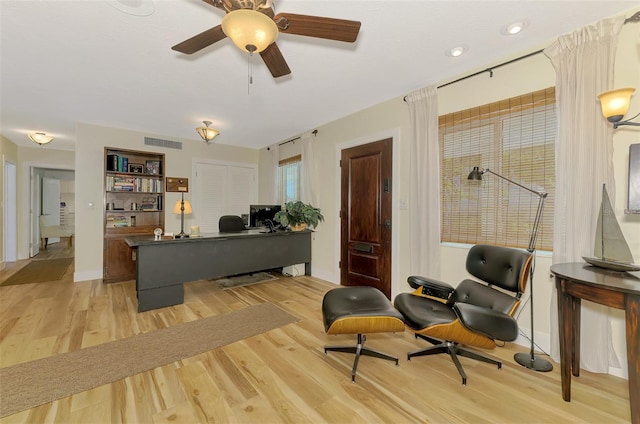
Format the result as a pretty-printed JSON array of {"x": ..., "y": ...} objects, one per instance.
[{"x": 247, "y": 27}]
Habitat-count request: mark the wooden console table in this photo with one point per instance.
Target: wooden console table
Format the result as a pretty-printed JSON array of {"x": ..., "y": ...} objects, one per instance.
[
  {"x": 163, "y": 266},
  {"x": 620, "y": 290}
]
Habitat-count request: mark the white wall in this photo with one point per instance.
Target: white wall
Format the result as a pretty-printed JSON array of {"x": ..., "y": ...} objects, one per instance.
[
  {"x": 391, "y": 116},
  {"x": 89, "y": 183}
]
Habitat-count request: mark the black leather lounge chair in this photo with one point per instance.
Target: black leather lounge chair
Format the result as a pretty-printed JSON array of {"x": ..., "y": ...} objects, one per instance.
[{"x": 474, "y": 313}]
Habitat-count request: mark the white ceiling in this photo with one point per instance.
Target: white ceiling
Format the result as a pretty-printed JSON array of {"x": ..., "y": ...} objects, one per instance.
[{"x": 64, "y": 62}]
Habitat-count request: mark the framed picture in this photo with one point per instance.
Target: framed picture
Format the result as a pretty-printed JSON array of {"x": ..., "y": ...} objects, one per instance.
[
  {"x": 152, "y": 167},
  {"x": 136, "y": 168}
]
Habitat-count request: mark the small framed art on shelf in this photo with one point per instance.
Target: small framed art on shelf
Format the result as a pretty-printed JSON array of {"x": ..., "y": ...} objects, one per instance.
[
  {"x": 152, "y": 167},
  {"x": 136, "y": 168}
]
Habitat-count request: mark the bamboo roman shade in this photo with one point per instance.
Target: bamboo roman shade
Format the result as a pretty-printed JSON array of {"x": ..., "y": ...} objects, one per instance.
[{"x": 515, "y": 138}]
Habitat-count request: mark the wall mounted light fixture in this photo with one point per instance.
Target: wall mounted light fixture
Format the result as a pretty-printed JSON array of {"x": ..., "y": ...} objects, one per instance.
[
  {"x": 615, "y": 104},
  {"x": 40, "y": 138},
  {"x": 207, "y": 134}
]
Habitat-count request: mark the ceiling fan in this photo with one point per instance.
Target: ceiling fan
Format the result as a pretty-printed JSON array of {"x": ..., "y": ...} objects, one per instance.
[{"x": 253, "y": 26}]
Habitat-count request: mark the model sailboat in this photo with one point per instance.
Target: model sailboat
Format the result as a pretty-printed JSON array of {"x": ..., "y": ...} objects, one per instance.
[{"x": 611, "y": 250}]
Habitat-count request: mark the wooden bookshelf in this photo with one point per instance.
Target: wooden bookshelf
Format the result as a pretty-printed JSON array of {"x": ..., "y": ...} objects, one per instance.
[{"x": 134, "y": 201}]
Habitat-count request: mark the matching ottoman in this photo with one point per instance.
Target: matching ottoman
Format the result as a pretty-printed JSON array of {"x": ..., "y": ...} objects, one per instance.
[{"x": 359, "y": 310}]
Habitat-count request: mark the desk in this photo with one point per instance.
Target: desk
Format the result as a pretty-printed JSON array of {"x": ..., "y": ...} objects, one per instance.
[
  {"x": 163, "y": 266},
  {"x": 620, "y": 290}
]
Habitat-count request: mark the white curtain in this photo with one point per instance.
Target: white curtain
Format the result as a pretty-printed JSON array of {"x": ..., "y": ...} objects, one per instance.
[
  {"x": 424, "y": 203},
  {"x": 584, "y": 64},
  {"x": 309, "y": 192},
  {"x": 275, "y": 163}
]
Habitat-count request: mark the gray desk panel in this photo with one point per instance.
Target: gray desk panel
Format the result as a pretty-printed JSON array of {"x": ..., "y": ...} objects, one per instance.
[{"x": 162, "y": 266}]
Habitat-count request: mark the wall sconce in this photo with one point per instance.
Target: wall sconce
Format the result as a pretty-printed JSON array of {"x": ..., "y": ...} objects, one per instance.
[
  {"x": 250, "y": 30},
  {"x": 615, "y": 104},
  {"x": 207, "y": 134},
  {"x": 40, "y": 138}
]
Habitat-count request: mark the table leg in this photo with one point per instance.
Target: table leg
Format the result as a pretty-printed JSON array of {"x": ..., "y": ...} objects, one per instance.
[
  {"x": 576, "y": 308},
  {"x": 566, "y": 335},
  {"x": 632, "y": 312}
]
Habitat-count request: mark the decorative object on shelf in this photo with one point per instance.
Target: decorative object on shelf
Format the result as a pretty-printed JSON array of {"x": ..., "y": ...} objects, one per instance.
[
  {"x": 40, "y": 138},
  {"x": 195, "y": 231},
  {"x": 207, "y": 134},
  {"x": 136, "y": 168},
  {"x": 297, "y": 213},
  {"x": 610, "y": 250},
  {"x": 528, "y": 360},
  {"x": 152, "y": 167},
  {"x": 182, "y": 207},
  {"x": 615, "y": 104},
  {"x": 177, "y": 185},
  {"x": 157, "y": 234}
]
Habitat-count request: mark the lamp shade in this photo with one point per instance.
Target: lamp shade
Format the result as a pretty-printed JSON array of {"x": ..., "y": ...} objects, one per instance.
[
  {"x": 207, "y": 133},
  {"x": 250, "y": 30},
  {"x": 615, "y": 103},
  {"x": 40, "y": 138},
  {"x": 178, "y": 206}
]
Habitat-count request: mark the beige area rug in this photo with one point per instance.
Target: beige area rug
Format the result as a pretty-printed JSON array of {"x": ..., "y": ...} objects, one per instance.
[
  {"x": 245, "y": 280},
  {"x": 25, "y": 386},
  {"x": 39, "y": 271}
]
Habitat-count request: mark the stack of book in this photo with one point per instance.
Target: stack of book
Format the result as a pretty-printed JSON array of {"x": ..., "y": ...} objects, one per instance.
[
  {"x": 116, "y": 221},
  {"x": 117, "y": 163}
]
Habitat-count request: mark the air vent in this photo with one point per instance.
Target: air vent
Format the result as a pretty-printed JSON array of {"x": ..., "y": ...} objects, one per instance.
[{"x": 149, "y": 141}]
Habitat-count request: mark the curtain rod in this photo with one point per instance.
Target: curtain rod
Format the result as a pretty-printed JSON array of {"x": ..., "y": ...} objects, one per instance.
[
  {"x": 633, "y": 18},
  {"x": 490, "y": 70},
  {"x": 314, "y": 132}
]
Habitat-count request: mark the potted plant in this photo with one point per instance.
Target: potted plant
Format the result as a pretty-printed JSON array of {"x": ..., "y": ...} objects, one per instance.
[{"x": 299, "y": 215}]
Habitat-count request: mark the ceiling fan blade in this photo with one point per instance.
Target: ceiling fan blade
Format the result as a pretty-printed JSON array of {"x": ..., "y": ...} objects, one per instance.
[
  {"x": 200, "y": 41},
  {"x": 319, "y": 27},
  {"x": 275, "y": 61}
]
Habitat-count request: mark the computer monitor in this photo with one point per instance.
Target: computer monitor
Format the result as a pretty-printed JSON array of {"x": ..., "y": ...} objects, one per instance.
[{"x": 259, "y": 214}]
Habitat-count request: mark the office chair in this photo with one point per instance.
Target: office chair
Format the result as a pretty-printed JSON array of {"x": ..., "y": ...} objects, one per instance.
[
  {"x": 476, "y": 313},
  {"x": 231, "y": 224}
]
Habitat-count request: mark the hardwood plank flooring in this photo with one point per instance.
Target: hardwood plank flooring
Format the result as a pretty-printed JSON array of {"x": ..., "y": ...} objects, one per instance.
[{"x": 280, "y": 376}]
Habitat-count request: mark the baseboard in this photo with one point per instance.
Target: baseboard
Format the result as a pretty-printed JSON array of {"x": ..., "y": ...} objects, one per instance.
[{"x": 86, "y": 275}]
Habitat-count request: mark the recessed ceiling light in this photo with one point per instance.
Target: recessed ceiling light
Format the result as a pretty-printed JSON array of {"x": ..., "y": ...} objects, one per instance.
[
  {"x": 457, "y": 51},
  {"x": 515, "y": 28}
]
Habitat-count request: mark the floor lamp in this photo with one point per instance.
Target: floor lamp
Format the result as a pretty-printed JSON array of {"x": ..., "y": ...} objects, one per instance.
[{"x": 528, "y": 360}]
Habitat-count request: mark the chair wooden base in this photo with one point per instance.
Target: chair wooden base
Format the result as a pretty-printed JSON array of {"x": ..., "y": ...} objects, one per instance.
[
  {"x": 359, "y": 350},
  {"x": 453, "y": 350}
]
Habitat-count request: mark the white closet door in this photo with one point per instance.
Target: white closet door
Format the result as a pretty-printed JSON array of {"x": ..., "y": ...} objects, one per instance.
[
  {"x": 209, "y": 191},
  {"x": 221, "y": 189}
]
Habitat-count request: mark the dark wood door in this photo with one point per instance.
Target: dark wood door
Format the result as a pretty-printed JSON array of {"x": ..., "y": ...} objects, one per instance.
[{"x": 365, "y": 211}]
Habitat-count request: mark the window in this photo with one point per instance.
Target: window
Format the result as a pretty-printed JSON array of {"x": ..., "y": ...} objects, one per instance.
[
  {"x": 514, "y": 138},
  {"x": 289, "y": 178}
]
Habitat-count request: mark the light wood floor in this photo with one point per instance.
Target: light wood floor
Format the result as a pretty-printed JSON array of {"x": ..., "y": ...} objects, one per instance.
[{"x": 280, "y": 376}]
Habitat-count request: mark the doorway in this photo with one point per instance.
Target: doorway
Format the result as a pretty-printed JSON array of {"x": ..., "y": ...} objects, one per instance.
[{"x": 366, "y": 215}]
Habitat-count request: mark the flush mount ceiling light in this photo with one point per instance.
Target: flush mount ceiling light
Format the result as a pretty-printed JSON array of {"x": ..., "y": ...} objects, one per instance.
[
  {"x": 514, "y": 28},
  {"x": 207, "y": 134},
  {"x": 40, "y": 138},
  {"x": 457, "y": 51},
  {"x": 250, "y": 30}
]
